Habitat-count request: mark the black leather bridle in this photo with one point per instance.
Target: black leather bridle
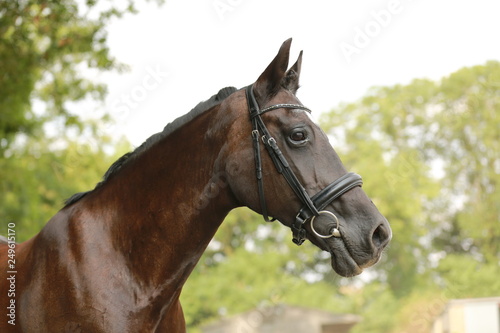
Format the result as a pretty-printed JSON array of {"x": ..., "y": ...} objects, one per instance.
[{"x": 312, "y": 206}]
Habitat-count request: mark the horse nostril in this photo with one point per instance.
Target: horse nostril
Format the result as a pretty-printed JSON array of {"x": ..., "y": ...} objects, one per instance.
[{"x": 380, "y": 237}]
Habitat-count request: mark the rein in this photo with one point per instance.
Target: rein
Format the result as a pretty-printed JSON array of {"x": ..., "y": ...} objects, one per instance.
[{"x": 312, "y": 206}]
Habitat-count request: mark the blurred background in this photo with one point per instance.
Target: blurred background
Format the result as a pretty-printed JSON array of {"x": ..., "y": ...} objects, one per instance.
[{"x": 408, "y": 91}]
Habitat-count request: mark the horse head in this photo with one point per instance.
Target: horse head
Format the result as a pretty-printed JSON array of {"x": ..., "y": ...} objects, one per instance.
[{"x": 281, "y": 164}]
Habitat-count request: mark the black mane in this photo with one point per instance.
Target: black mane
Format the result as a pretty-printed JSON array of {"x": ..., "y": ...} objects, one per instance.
[{"x": 170, "y": 128}]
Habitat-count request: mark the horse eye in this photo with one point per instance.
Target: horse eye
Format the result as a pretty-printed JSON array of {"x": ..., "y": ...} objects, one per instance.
[{"x": 298, "y": 136}]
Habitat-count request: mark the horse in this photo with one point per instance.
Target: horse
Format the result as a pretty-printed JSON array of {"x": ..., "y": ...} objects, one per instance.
[{"x": 115, "y": 258}]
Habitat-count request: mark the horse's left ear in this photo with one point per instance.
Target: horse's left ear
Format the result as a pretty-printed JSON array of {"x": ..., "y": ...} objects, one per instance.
[
  {"x": 291, "y": 79},
  {"x": 270, "y": 81}
]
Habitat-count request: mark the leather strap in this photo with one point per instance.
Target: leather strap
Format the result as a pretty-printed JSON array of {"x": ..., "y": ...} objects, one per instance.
[
  {"x": 311, "y": 205},
  {"x": 280, "y": 162},
  {"x": 322, "y": 199}
]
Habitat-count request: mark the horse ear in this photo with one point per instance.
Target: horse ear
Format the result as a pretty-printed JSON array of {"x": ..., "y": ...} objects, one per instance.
[
  {"x": 269, "y": 82},
  {"x": 292, "y": 76}
]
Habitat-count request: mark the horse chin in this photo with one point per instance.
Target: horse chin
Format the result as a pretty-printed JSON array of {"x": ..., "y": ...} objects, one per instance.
[{"x": 342, "y": 261}]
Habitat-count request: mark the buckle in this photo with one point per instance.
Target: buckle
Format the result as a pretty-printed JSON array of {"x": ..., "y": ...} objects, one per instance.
[
  {"x": 299, "y": 237},
  {"x": 298, "y": 231}
]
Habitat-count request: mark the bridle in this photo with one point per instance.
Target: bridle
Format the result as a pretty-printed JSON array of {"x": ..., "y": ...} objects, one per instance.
[{"x": 312, "y": 206}]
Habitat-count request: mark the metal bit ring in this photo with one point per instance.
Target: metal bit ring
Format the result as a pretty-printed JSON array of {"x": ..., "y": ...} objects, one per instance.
[{"x": 335, "y": 231}]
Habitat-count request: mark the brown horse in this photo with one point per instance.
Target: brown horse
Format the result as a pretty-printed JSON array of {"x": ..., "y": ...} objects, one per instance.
[{"x": 115, "y": 259}]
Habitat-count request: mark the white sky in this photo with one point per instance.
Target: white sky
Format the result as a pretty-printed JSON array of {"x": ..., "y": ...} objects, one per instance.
[{"x": 200, "y": 46}]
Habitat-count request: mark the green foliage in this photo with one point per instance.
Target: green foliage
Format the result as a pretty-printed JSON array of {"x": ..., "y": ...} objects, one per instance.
[
  {"x": 47, "y": 51},
  {"x": 429, "y": 154},
  {"x": 466, "y": 277},
  {"x": 468, "y": 140},
  {"x": 38, "y": 179},
  {"x": 257, "y": 275},
  {"x": 460, "y": 276},
  {"x": 377, "y": 305},
  {"x": 395, "y": 171}
]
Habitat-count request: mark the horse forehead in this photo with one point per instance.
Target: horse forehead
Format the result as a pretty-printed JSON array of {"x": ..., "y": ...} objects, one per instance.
[
  {"x": 290, "y": 116},
  {"x": 284, "y": 97}
]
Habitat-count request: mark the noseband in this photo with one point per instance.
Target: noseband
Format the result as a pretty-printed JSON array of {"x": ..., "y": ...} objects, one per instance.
[{"x": 312, "y": 206}]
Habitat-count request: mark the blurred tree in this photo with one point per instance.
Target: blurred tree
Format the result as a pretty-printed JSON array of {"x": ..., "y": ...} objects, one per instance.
[
  {"x": 47, "y": 51},
  {"x": 248, "y": 279},
  {"x": 430, "y": 156},
  {"x": 45, "y": 47},
  {"x": 466, "y": 136},
  {"x": 377, "y": 139},
  {"x": 38, "y": 179}
]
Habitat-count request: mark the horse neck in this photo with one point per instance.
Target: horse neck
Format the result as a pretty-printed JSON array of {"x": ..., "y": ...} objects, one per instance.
[{"x": 165, "y": 205}]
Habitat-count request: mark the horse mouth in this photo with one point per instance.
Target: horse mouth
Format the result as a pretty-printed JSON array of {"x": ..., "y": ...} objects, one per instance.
[{"x": 341, "y": 259}]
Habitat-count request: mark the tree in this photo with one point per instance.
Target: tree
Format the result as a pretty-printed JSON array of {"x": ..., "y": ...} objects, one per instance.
[
  {"x": 377, "y": 141},
  {"x": 467, "y": 139},
  {"x": 39, "y": 179},
  {"x": 263, "y": 269},
  {"x": 429, "y": 154},
  {"x": 47, "y": 51}
]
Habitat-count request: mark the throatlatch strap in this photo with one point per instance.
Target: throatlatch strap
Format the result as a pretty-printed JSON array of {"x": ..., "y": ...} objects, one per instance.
[{"x": 256, "y": 150}]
